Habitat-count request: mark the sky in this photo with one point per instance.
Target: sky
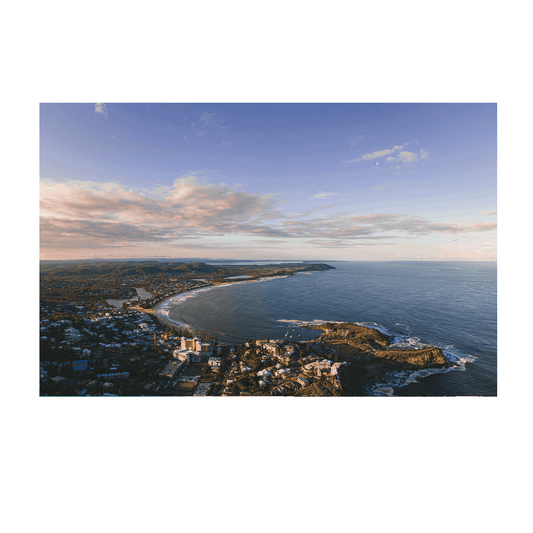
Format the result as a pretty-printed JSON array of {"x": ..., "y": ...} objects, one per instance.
[{"x": 268, "y": 181}]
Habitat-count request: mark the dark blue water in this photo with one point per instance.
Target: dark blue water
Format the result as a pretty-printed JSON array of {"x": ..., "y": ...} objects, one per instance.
[{"x": 451, "y": 305}]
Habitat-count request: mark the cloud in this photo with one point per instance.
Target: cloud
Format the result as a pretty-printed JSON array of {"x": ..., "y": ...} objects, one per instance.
[
  {"x": 324, "y": 195},
  {"x": 108, "y": 214},
  {"x": 407, "y": 157},
  {"x": 205, "y": 118},
  {"x": 389, "y": 184},
  {"x": 403, "y": 157},
  {"x": 489, "y": 213},
  {"x": 100, "y": 108},
  {"x": 206, "y": 122},
  {"x": 91, "y": 215},
  {"x": 354, "y": 141},
  {"x": 378, "y": 154}
]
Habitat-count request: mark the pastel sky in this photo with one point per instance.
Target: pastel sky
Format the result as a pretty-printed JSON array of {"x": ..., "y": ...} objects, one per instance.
[{"x": 268, "y": 181}]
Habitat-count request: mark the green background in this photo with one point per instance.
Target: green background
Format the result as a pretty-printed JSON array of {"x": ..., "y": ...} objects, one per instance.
[{"x": 261, "y": 474}]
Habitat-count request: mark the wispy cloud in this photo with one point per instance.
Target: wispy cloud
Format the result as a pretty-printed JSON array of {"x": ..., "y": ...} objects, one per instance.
[
  {"x": 206, "y": 122},
  {"x": 389, "y": 184},
  {"x": 208, "y": 119},
  {"x": 403, "y": 157},
  {"x": 378, "y": 154},
  {"x": 353, "y": 142},
  {"x": 324, "y": 195},
  {"x": 100, "y": 108}
]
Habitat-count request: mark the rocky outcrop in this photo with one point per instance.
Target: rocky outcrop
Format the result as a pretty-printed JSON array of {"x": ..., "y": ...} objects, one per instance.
[
  {"x": 430, "y": 357},
  {"x": 369, "y": 356}
]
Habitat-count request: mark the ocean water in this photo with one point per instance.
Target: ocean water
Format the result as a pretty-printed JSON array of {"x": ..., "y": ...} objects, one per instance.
[{"x": 451, "y": 305}]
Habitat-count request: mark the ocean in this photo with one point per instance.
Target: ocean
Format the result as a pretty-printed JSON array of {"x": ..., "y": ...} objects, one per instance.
[{"x": 451, "y": 305}]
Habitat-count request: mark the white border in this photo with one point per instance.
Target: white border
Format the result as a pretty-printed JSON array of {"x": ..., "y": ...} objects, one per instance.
[{"x": 30, "y": 403}]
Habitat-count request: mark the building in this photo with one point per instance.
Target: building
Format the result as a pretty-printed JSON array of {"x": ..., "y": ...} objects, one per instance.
[
  {"x": 188, "y": 344},
  {"x": 195, "y": 345},
  {"x": 79, "y": 366},
  {"x": 214, "y": 363},
  {"x": 302, "y": 381},
  {"x": 170, "y": 370},
  {"x": 264, "y": 374},
  {"x": 182, "y": 354}
]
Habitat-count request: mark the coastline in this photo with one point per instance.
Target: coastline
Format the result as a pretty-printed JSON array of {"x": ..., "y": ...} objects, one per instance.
[
  {"x": 392, "y": 367},
  {"x": 414, "y": 316},
  {"x": 157, "y": 309}
]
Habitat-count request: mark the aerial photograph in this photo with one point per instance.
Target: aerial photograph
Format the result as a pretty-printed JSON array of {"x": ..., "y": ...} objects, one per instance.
[{"x": 268, "y": 249}]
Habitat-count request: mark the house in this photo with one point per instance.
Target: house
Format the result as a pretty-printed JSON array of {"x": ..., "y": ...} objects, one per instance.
[
  {"x": 214, "y": 363},
  {"x": 282, "y": 372},
  {"x": 79, "y": 366},
  {"x": 273, "y": 348},
  {"x": 284, "y": 358},
  {"x": 302, "y": 381}
]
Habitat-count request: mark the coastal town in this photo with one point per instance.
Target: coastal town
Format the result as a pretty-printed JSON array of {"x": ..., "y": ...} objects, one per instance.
[{"x": 101, "y": 335}]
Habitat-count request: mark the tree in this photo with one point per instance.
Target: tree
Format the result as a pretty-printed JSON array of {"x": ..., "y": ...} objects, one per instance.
[
  {"x": 52, "y": 370},
  {"x": 66, "y": 370}
]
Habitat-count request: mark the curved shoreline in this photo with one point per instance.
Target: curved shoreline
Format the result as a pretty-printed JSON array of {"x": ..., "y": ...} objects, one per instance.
[
  {"x": 398, "y": 377},
  {"x": 156, "y": 310}
]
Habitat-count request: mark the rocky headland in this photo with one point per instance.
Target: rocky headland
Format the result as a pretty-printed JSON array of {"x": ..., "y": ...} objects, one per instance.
[{"x": 370, "y": 356}]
